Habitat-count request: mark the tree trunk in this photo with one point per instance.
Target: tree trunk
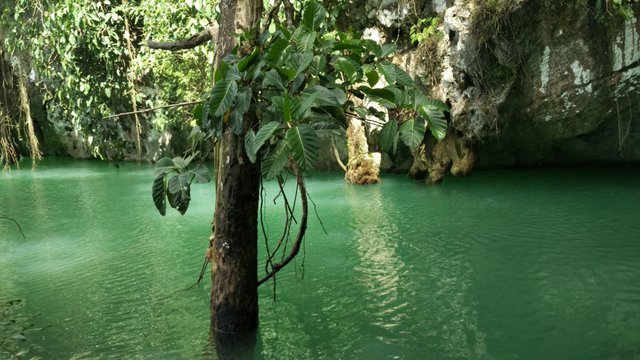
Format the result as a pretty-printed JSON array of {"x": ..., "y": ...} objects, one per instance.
[
  {"x": 234, "y": 294},
  {"x": 234, "y": 243}
]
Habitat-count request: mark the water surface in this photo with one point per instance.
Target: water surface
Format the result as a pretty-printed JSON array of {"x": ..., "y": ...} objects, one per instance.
[{"x": 535, "y": 264}]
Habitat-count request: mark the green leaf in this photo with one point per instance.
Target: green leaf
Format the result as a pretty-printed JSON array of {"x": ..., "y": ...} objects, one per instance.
[
  {"x": 201, "y": 174},
  {"x": 300, "y": 62},
  {"x": 179, "y": 192},
  {"x": 348, "y": 67},
  {"x": 388, "y": 70},
  {"x": 272, "y": 78},
  {"x": 402, "y": 78},
  {"x": 386, "y": 50},
  {"x": 389, "y": 136},
  {"x": 235, "y": 121},
  {"x": 158, "y": 193},
  {"x": 435, "y": 119},
  {"x": 243, "y": 100},
  {"x": 264, "y": 134},
  {"x": 412, "y": 133},
  {"x": 249, "y": 140},
  {"x": 305, "y": 42},
  {"x": 275, "y": 161},
  {"x": 314, "y": 15},
  {"x": 372, "y": 77},
  {"x": 222, "y": 97},
  {"x": 384, "y": 97},
  {"x": 304, "y": 145},
  {"x": 248, "y": 60},
  {"x": 326, "y": 97},
  {"x": 275, "y": 52}
]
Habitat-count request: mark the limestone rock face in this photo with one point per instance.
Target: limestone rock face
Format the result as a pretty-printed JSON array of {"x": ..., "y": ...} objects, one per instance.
[
  {"x": 552, "y": 82},
  {"x": 530, "y": 82}
]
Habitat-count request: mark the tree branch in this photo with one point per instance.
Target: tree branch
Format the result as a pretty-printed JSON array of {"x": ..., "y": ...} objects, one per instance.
[
  {"x": 272, "y": 12},
  {"x": 188, "y": 103},
  {"x": 200, "y": 38},
  {"x": 301, "y": 231}
]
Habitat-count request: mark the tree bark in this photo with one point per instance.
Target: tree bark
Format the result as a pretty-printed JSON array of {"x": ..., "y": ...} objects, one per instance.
[
  {"x": 234, "y": 294},
  {"x": 234, "y": 243}
]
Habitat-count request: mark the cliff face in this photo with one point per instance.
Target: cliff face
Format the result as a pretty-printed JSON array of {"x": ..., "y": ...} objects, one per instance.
[
  {"x": 531, "y": 82},
  {"x": 553, "y": 83}
]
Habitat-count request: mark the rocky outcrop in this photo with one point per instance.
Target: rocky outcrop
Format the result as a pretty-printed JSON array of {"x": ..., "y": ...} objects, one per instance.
[
  {"x": 529, "y": 82},
  {"x": 550, "y": 83}
]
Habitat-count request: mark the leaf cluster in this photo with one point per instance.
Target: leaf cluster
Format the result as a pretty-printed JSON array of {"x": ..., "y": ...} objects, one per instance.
[
  {"x": 303, "y": 84},
  {"x": 173, "y": 182}
]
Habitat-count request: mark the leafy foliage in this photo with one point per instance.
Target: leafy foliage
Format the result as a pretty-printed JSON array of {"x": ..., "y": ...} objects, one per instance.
[
  {"x": 173, "y": 182},
  {"x": 311, "y": 79},
  {"x": 87, "y": 58}
]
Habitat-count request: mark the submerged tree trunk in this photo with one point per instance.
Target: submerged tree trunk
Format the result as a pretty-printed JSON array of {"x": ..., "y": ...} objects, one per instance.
[
  {"x": 234, "y": 243},
  {"x": 234, "y": 294}
]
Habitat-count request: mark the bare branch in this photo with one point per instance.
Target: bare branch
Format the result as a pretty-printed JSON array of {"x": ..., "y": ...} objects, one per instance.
[
  {"x": 200, "y": 38},
  {"x": 188, "y": 103}
]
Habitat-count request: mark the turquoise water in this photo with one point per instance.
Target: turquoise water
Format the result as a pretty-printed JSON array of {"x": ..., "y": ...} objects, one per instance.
[{"x": 535, "y": 264}]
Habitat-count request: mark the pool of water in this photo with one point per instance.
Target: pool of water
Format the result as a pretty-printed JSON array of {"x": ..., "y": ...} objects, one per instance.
[{"x": 526, "y": 264}]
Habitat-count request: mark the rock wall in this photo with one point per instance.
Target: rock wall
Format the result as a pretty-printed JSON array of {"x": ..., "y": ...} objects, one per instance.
[{"x": 529, "y": 82}]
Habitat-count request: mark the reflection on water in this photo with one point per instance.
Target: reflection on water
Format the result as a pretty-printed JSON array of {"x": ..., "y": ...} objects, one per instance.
[{"x": 502, "y": 265}]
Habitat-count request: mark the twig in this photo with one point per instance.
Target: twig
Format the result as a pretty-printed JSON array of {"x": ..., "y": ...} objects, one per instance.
[
  {"x": 188, "y": 103},
  {"x": 301, "y": 231},
  {"x": 270, "y": 14}
]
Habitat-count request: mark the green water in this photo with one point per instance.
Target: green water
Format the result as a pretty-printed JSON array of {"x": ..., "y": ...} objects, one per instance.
[{"x": 502, "y": 265}]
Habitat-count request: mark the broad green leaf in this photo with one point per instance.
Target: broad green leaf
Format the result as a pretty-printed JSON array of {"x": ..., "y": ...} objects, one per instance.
[
  {"x": 249, "y": 140},
  {"x": 299, "y": 111},
  {"x": 201, "y": 174},
  {"x": 423, "y": 100},
  {"x": 435, "y": 119},
  {"x": 264, "y": 134},
  {"x": 326, "y": 97},
  {"x": 348, "y": 67},
  {"x": 412, "y": 133},
  {"x": 243, "y": 100},
  {"x": 235, "y": 121},
  {"x": 158, "y": 193},
  {"x": 314, "y": 15},
  {"x": 388, "y": 70},
  {"x": 373, "y": 47},
  {"x": 179, "y": 163},
  {"x": 389, "y": 136},
  {"x": 249, "y": 60},
  {"x": 305, "y": 42},
  {"x": 222, "y": 97},
  {"x": 304, "y": 145},
  {"x": 221, "y": 71},
  {"x": 383, "y": 96},
  {"x": 275, "y": 161},
  {"x": 318, "y": 65},
  {"x": 275, "y": 52},
  {"x": 387, "y": 49},
  {"x": 402, "y": 78},
  {"x": 372, "y": 77},
  {"x": 179, "y": 192},
  {"x": 163, "y": 166},
  {"x": 272, "y": 78},
  {"x": 300, "y": 62}
]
